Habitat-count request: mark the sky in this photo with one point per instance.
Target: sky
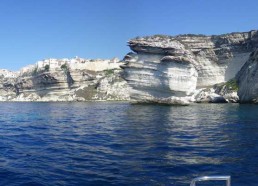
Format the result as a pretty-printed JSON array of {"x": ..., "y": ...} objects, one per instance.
[{"x": 32, "y": 30}]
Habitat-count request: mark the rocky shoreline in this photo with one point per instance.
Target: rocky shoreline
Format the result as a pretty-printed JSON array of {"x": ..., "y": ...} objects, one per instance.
[
  {"x": 191, "y": 68},
  {"x": 74, "y": 79},
  {"x": 160, "y": 69}
]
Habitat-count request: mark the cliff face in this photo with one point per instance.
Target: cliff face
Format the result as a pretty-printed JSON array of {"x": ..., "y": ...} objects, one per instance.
[
  {"x": 247, "y": 80},
  {"x": 173, "y": 68},
  {"x": 65, "y": 80},
  {"x": 161, "y": 69}
]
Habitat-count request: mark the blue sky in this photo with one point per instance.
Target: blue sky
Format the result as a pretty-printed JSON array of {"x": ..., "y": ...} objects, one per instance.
[{"x": 32, "y": 30}]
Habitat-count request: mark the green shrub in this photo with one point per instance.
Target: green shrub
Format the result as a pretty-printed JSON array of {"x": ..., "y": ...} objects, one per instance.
[
  {"x": 232, "y": 84},
  {"x": 35, "y": 71},
  {"x": 161, "y": 36},
  {"x": 47, "y": 68},
  {"x": 109, "y": 72},
  {"x": 64, "y": 67}
]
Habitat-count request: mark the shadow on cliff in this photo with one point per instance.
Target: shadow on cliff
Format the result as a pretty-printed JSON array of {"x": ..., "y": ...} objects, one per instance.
[
  {"x": 240, "y": 57},
  {"x": 44, "y": 83}
]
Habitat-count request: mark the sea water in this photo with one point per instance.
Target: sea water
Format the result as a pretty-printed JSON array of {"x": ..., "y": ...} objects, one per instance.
[{"x": 110, "y": 143}]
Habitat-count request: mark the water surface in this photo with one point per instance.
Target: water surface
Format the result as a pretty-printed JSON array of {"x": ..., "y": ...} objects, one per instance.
[{"x": 123, "y": 144}]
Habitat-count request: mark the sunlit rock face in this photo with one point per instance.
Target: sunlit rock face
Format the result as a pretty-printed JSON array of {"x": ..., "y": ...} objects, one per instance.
[
  {"x": 163, "y": 66},
  {"x": 74, "y": 79},
  {"x": 7, "y": 84},
  {"x": 155, "y": 77},
  {"x": 248, "y": 80}
]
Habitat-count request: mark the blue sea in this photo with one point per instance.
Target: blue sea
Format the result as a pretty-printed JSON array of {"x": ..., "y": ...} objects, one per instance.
[{"x": 112, "y": 143}]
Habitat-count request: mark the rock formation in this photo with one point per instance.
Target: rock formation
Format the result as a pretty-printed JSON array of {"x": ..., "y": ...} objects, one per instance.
[
  {"x": 181, "y": 68},
  {"x": 247, "y": 79},
  {"x": 65, "y": 80},
  {"x": 161, "y": 69}
]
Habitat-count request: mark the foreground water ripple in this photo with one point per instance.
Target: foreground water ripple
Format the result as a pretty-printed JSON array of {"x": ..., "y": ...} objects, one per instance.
[{"x": 123, "y": 144}]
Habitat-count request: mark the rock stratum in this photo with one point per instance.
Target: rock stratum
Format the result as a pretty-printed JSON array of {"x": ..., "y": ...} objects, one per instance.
[
  {"x": 74, "y": 79},
  {"x": 247, "y": 79},
  {"x": 160, "y": 69},
  {"x": 192, "y": 68}
]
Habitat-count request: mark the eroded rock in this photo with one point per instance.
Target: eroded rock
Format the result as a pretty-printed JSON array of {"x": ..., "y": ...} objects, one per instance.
[
  {"x": 247, "y": 79},
  {"x": 163, "y": 66},
  {"x": 65, "y": 80}
]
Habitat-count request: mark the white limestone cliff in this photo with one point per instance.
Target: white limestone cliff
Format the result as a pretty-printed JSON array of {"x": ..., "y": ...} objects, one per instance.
[
  {"x": 162, "y": 67},
  {"x": 74, "y": 79}
]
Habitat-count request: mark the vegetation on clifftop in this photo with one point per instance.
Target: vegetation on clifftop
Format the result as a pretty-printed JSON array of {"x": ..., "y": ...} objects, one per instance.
[
  {"x": 64, "y": 68},
  {"x": 47, "y": 68},
  {"x": 35, "y": 71}
]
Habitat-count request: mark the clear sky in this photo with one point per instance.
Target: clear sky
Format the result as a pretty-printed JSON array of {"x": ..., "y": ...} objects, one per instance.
[{"x": 31, "y": 30}]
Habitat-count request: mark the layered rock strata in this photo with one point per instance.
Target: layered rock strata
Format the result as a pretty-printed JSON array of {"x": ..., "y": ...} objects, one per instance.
[
  {"x": 247, "y": 79},
  {"x": 163, "y": 67},
  {"x": 65, "y": 80}
]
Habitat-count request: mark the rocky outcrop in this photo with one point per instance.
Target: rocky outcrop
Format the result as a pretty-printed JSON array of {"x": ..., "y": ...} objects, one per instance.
[
  {"x": 8, "y": 89},
  {"x": 219, "y": 93},
  {"x": 65, "y": 80},
  {"x": 161, "y": 67},
  {"x": 247, "y": 80}
]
